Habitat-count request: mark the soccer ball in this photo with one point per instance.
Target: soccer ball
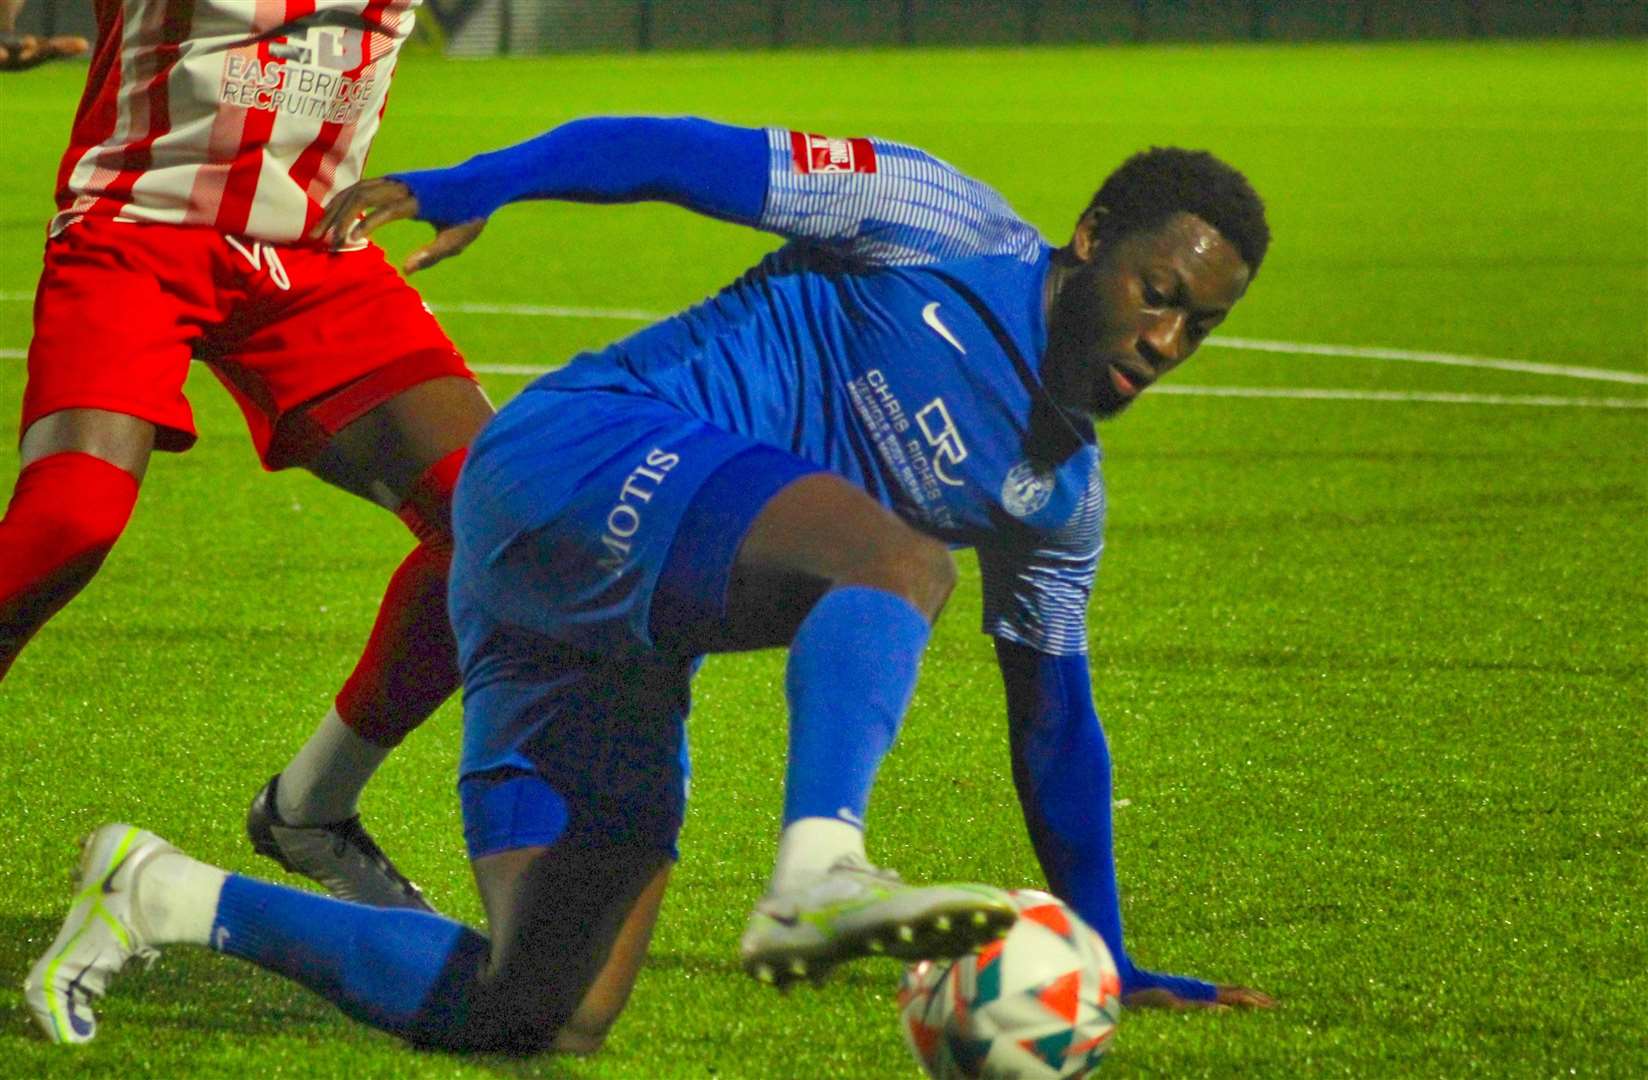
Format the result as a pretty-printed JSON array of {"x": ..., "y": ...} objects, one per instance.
[{"x": 1039, "y": 1004}]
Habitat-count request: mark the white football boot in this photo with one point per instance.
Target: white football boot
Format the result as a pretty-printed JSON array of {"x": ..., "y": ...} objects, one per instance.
[
  {"x": 99, "y": 936},
  {"x": 854, "y": 910}
]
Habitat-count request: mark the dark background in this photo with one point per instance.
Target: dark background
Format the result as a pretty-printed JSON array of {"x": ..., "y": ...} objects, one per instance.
[{"x": 484, "y": 27}]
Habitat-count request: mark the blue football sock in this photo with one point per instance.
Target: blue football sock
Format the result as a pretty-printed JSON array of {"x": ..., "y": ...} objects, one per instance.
[
  {"x": 409, "y": 973},
  {"x": 852, "y": 670}
]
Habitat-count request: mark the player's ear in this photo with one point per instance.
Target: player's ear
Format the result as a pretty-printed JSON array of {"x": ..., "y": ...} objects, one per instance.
[{"x": 1084, "y": 242}]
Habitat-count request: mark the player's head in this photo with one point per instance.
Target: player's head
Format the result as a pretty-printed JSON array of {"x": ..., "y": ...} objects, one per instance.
[{"x": 1161, "y": 254}]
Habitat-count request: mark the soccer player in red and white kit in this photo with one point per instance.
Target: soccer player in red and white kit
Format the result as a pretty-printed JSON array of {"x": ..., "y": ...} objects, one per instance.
[{"x": 210, "y": 136}]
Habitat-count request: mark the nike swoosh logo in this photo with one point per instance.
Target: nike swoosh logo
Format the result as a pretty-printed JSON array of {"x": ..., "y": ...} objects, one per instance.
[
  {"x": 108, "y": 879},
  {"x": 929, "y": 315},
  {"x": 76, "y": 996}
]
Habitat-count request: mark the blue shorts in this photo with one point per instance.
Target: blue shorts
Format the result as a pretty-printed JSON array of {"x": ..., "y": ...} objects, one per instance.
[
  {"x": 602, "y": 758},
  {"x": 584, "y": 521}
]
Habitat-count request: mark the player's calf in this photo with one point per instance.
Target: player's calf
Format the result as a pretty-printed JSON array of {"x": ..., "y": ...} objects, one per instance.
[{"x": 66, "y": 513}]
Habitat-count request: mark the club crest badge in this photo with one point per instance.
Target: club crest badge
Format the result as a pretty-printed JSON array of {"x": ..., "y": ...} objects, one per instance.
[{"x": 1025, "y": 490}]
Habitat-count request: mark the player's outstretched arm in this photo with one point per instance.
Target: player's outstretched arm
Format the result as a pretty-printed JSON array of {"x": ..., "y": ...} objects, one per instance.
[
  {"x": 1061, "y": 767},
  {"x": 711, "y": 168}
]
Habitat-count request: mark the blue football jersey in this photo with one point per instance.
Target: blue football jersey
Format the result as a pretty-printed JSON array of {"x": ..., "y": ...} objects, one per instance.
[{"x": 896, "y": 339}]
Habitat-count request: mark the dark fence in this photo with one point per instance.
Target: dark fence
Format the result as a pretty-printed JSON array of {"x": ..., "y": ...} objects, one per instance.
[{"x": 480, "y": 27}]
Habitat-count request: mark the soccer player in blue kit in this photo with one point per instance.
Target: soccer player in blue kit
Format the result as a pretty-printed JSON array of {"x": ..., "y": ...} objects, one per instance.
[{"x": 787, "y": 463}]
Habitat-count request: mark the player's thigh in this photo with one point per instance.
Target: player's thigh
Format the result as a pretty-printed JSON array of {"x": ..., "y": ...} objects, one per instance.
[
  {"x": 337, "y": 365},
  {"x": 824, "y": 526},
  {"x": 118, "y": 310},
  {"x": 380, "y": 455},
  {"x": 118, "y": 438},
  {"x": 819, "y": 532}
]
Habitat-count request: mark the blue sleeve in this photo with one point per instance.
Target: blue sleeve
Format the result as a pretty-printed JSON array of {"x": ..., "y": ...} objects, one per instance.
[
  {"x": 714, "y": 169},
  {"x": 1061, "y": 767}
]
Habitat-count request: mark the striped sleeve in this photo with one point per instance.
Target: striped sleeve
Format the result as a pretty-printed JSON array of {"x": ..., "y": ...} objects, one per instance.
[
  {"x": 886, "y": 204},
  {"x": 1037, "y": 595}
]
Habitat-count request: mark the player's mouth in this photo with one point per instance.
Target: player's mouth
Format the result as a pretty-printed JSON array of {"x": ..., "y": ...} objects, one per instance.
[{"x": 1128, "y": 387}]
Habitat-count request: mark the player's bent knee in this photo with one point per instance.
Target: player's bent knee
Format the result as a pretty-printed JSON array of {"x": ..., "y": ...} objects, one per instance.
[
  {"x": 940, "y": 573},
  {"x": 917, "y": 568}
]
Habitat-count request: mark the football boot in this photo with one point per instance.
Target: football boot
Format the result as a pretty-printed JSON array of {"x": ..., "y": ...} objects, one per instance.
[{"x": 854, "y": 910}]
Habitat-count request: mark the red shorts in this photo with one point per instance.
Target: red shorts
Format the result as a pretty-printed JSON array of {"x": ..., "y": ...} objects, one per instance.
[{"x": 305, "y": 339}]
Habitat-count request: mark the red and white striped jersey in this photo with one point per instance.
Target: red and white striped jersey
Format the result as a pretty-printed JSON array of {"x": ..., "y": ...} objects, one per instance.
[{"x": 243, "y": 115}]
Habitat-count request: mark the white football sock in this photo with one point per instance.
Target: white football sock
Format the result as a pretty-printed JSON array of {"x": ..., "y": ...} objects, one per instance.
[
  {"x": 811, "y": 845},
  {"x": 325, "y": 779},
  {"x": 176, "y": 899}
]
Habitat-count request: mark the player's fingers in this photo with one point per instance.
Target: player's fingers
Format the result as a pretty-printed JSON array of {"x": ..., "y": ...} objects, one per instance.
[
  {"x": 1159, "y": 998},
  {"x": 62, "y": 45},
  {"x": 447, "y": 243},
  {"x": 348, "y": 205},
  {"x": 340, "y": 208},
  {"x": 1245, "y": 997},
  {"x": 343, "y": 211},
  {"x": 395, "y": 209}
]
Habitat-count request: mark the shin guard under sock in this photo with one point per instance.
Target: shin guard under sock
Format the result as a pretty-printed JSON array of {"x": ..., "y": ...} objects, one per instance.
[
  {"x": 410, "y": 664},
  {"x": 852, "y": 671},
  {"x": 66, "y": 512}
]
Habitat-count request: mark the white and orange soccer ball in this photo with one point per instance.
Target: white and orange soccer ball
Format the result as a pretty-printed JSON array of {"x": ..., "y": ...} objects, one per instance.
[{"x": 1041, "y": 1003}]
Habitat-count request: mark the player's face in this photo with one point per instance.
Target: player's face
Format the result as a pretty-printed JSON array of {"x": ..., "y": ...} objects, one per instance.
[{"x": 1136, "y": 308}]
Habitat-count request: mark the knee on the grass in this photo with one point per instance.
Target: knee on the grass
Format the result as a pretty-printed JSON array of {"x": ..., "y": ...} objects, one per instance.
[
  {"x": 581, "y": 1039},
  {"x": 522, "y": 1029}
]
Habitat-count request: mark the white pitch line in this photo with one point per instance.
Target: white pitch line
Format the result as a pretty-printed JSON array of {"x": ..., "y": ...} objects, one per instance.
[
  {"x": 1440, "y": 398},
  {"x": 1417, "y": 356},
  {"x": 1227, "y": 391},
  {"x": 512, "y": 369},
  {"x": 1304, "y": 348},
  {"x": 1300, "y": 348},
  {"x": 550, "y": 311}
]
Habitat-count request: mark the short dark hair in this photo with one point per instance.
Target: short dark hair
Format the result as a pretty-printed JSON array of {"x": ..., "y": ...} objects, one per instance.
[{"x": 1153, "y": 185}]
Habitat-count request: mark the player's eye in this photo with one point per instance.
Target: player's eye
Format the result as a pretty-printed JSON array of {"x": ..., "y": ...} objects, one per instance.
[{"x": 1154, "y": 297}]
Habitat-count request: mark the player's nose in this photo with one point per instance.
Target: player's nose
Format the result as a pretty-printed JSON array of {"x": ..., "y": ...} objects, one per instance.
[{"x": 1164, "y": 340}]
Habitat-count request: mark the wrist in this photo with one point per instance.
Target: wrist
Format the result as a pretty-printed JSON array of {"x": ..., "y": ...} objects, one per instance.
[{"x": 449, "y": 196}]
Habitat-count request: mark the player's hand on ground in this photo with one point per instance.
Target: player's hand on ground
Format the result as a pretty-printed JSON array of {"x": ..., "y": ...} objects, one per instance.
[
  {"x": 1228, "y": 997},
  {"x": 19, "y": 52},
  {"x": 358, "y": 211}
]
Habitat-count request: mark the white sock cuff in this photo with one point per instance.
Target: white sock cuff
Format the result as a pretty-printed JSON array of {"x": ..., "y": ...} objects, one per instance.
[
  {"x": 809, "y": 846},
  {"x": 175, "y": 899}
]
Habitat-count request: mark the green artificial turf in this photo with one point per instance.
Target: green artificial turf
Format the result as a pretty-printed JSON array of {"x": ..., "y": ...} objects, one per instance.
[{"x": 1372, "y": 671}]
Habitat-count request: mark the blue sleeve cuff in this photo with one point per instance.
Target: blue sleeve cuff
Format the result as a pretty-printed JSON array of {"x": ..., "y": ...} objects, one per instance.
[{"x": 1135, "y": 979}]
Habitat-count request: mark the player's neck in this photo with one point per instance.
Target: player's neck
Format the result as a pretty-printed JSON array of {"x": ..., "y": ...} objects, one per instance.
[{"x": 1063, "y": 264}]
